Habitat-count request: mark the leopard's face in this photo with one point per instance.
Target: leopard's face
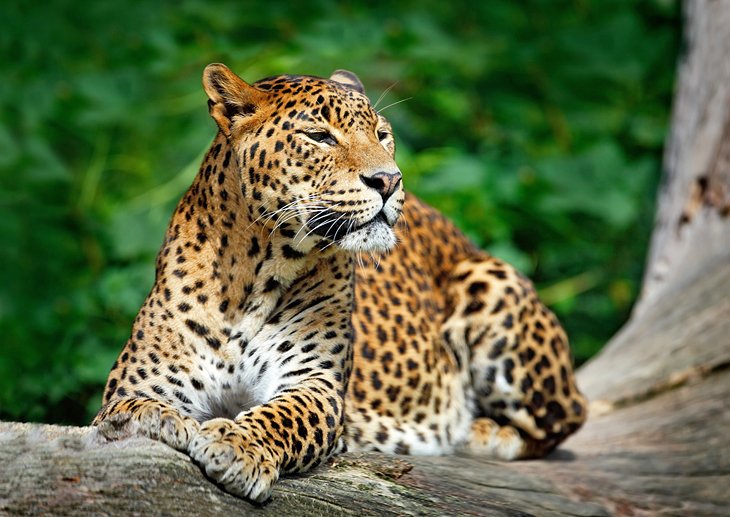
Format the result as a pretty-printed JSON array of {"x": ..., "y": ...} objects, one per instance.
[{"x": 317, "y": 161}]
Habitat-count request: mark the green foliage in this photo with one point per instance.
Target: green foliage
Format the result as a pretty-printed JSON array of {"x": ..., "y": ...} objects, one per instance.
[{"x": 537, "y": 125}]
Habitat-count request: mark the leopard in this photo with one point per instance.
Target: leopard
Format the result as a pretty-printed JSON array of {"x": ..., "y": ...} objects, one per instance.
[{"x": 304, "y": 305}]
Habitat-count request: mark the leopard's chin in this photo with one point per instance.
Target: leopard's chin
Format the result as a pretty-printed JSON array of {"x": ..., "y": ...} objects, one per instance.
[{"x": 376, "y": 235}]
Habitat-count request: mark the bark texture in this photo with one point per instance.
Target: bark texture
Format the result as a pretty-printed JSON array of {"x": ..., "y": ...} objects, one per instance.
[{"x": 656, "y": 440}]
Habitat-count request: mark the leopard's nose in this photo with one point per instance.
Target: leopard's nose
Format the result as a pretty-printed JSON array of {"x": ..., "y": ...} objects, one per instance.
[{"x": 385, "y": 183}]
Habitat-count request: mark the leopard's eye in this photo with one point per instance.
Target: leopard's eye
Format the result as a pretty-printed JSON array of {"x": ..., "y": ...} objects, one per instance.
[
  {"x": 382, "y": 135},
  {"x": 320, "y": 136}
]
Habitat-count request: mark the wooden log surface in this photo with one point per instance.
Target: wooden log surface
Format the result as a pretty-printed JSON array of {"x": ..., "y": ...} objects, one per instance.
[
  {"x": 684, "y": 334},
  {"x": 667, "y": 454}
]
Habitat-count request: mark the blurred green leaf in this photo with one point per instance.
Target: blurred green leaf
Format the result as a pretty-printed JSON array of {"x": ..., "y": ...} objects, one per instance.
[
  {"x": 454, "y": 174},
  {"x": 536, "y": 126}
]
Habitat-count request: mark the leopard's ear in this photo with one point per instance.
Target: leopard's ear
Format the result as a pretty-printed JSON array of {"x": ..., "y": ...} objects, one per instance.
[
  {"x": 229, "y": 96},
  {"x": 348, "y": 79}
]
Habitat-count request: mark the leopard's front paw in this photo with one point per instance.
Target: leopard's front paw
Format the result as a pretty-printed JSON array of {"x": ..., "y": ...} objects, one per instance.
[
  {"x": 230, "y": 458},
  {"x": 152, "y": 420}
]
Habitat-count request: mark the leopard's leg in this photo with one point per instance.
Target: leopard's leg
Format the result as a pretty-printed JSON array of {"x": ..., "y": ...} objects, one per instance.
[
  {"x": 155, "y": 419},
  {"x": 293, "y": 432},
  {"x": 525, "y": 401},
  {"x": 429, "y": 414},
  {"x": 299, "y": 422}
]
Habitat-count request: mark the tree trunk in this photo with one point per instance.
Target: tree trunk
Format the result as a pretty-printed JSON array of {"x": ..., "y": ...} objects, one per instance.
[
  {"x": 656, "y": 439},
  {"x": 668, "y": 340},
  {"x": 692, "y": 226}
]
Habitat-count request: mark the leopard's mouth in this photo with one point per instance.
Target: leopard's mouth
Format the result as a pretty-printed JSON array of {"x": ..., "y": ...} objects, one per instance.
[{"x": 335, "y": 225}]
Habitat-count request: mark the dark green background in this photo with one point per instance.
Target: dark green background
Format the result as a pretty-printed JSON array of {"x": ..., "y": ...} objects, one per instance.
[{"x": 537, "y": 125}]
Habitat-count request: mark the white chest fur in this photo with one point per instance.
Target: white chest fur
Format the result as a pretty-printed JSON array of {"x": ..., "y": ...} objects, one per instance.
[{"x": 244, "y": 378}]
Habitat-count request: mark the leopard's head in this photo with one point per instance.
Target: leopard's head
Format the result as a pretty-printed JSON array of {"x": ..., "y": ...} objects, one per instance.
[{"x": 315, "y": 158}]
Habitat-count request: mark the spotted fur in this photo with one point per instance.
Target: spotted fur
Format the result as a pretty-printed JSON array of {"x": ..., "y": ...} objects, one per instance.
[
  {"x": 242, "y": 352},
  {"x": 453, "y": 349}
]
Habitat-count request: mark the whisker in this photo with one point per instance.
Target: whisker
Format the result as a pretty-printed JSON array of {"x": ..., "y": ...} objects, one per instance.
[
  {"x": 270, "y": 215},
  {"x": 309, "y": 222},
  {"x": 339, "y": 216},
  {"x": 284, "y": 220},
  {"x": 350, "y": 224},
  {"x": 382, "y": 95},
  {"x": 344, "y": 221},
  {"x": 294, "y": 207},
  {"x": 393, "y": 104},
  {"x": 295, "y": 212},
  {"x": 318, "y": 215},
  {"x": 292, "y": 210}
]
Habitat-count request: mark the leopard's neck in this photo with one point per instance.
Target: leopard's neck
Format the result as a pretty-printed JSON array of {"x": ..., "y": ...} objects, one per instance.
[{"x": 244, "y": 261}]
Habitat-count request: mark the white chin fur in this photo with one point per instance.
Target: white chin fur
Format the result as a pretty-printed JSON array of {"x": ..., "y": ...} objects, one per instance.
[{"x": 374, "y": 237}]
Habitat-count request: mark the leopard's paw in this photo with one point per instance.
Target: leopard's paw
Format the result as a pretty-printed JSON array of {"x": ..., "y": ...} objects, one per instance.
[
  {"x": 151, "y": 420},
  {"x": 488, "y": 438},
  {"x": 228, "y": 457}
]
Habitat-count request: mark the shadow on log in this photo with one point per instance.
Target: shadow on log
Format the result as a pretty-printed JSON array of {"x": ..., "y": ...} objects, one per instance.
[{"x": 656, "y": 440}]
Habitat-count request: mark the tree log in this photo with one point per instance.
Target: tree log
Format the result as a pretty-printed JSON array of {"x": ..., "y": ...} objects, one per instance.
[
  {"x": 667, "y": 453},
  {"x": 656, "y": 440}
]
